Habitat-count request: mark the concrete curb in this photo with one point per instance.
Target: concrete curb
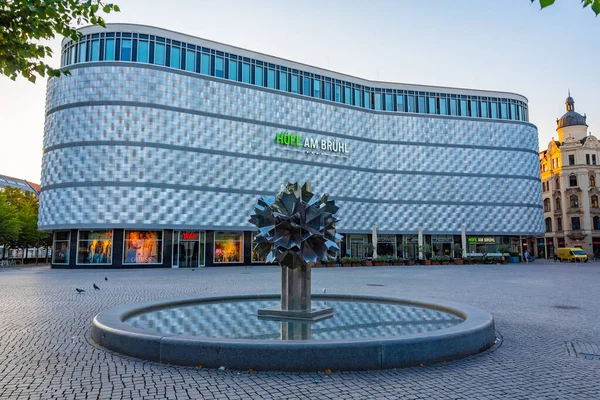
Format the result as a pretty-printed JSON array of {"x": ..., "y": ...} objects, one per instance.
[{"x": 472, "y": 336}]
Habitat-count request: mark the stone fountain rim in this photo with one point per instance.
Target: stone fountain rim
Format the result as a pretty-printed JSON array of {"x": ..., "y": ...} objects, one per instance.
[{"x": 475, "y": 334}]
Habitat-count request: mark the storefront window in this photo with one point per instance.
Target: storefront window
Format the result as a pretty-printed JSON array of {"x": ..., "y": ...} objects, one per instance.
[
  {"x": 229, "y": 247},
  {"x": 143, "y": 247},
  {"x": 386, "y": 245},
  {"x": 94, "y": 247},
  {"x": 442, "y": 245},
  {"x": 188, "y": 249},
  {"x": 255, "y": 256},
  {"x": 60, "y": 247},
  {"x": 359, "y": 246}
]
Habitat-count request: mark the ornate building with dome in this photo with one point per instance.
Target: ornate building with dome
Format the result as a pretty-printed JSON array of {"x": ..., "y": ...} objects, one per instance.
[{"x": 570, "y": 168}]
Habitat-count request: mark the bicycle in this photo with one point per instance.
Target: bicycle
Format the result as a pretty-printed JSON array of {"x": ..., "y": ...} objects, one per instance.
[{"x": 7, "y": 263}]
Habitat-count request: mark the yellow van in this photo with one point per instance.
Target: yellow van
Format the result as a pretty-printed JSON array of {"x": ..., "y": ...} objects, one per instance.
[{"x": 571, "y": 254}]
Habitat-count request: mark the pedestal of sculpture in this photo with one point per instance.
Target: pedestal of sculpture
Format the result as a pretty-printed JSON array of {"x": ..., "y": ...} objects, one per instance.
[{"x": 295, "y": 298}]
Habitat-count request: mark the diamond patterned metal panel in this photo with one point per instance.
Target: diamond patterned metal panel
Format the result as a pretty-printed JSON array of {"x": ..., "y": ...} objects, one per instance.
[{"x": 173, "y": 167}]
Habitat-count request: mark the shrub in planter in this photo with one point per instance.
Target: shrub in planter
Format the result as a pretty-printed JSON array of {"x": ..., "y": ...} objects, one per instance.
[
  {"x": 457, "y": 250},
  {"x": 381, "y": 261},
  {"x": 467, "y": 260},
  {"x": 458, "y": 261},
  {"x": 505, "y": 250},
  {"x": 367, "y": 263},
  {"x": 346, "y": 261},
  {"x": 396, "y": 260}
]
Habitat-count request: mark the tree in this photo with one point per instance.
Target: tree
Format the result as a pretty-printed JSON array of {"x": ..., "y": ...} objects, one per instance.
[
  {"x": 9, "y": 223},
  {"x": 595, "y": 4},
  {"x": 22, "y": 211},
  {"x": 25, "y": 23}
]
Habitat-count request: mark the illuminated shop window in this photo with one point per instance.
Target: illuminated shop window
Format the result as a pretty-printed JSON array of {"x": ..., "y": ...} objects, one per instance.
[
  {"x": 94, "y": 247},
  {"x": 229, "y": 247},
  {"x": 255, "y": 256},
  {"x": 143, "y": 247},
  {"x": 188, "y": 249},
  {"x": 60, "y": 247}
]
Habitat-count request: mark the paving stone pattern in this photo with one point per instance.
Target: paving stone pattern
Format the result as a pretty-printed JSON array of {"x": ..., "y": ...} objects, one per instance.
[{"x": 542, "y": 311}]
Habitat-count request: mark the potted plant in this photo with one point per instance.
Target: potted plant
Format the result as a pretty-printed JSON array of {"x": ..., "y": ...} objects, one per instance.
[
  {"x": 381, "y": 261},
  {"x": 467, "y": 260},
  {"x": 366, "y": 262},
  {"x": 435, "y": 260},
  {"x": 346, "y": 261},
  {"x": 444, "y": 260},
  {"x": 406, "y": 250},
  {"x": 504, "y": 249},
  {"x": 355, "y": 261},
  {"x": 396, "y": 261},
  {"x": 457, "y": 254},
  {"x": 426, "y": 250},
  {"x": 330, "y": 263}
]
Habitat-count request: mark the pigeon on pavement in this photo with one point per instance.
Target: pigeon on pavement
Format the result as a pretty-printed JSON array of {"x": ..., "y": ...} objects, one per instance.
[
  {"x": 96, "y": 287},
  {"x": 105, "y": 278},
  {"x": 79, "y": 290}
]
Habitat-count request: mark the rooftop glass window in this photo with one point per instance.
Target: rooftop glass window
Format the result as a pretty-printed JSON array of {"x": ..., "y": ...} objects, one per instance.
[
  {"x": 233, "y": 70},
  {"x": 82, "y": 50},
  {"x": 175, "y": 57},
  {"x": 283, "y": 81},
  {"x": 96, "y": 50},
  {"x": 190, "y": 60},
  {"x": 246, "y": 73},
  {"x": 126, "y": 50},
  {"x": 389, "y": 104},
  {"x": 219, "y": 70},
  {"x": 258, "y": 76},
  {"x": 204, "y": 64},
  {"x": 271, "y": 78},
  {"x": 159, "y": 54},
  {"x": 142, "y": 51},
  {"x": 127, "y": 46}
]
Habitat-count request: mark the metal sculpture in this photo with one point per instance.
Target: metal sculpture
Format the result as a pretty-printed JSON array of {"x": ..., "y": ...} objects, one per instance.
[{"x": 296, "y": 229}]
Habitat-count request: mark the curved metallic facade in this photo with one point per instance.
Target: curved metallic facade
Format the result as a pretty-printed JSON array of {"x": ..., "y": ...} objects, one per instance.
[{"x": 130, "y": 145}]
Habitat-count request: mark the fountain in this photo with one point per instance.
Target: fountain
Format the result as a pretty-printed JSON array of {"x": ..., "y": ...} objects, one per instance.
[{"x": 291, "y": 332}]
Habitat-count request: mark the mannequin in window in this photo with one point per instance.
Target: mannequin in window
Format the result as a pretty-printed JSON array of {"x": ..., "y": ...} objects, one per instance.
[{"x": 134, "y": 245}]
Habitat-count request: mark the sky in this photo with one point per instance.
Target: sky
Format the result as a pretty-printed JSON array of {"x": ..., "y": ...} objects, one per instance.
[{"x": 500, "y": 45}]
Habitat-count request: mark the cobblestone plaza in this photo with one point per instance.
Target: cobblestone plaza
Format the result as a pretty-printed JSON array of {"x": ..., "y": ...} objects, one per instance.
[{"x": 546, "y": 316}]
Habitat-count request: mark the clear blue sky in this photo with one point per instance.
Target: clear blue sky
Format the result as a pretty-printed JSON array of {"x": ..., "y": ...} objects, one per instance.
[{"x": 505, "y": 45}]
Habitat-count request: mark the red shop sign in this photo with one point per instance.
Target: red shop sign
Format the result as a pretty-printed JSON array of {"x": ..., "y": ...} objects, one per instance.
[{"x": 189, "y": 235}]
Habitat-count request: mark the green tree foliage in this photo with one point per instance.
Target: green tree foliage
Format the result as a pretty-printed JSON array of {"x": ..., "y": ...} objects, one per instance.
[
  {"x": 595, "y": 4},
  {"x": 21, "y": 211},
  {"x": 25, "y": 23},
  {"x": 9, "y": 223}
]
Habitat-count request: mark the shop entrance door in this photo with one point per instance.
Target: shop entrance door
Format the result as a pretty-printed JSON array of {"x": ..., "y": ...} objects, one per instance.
[{"x": 188, "y": 249}]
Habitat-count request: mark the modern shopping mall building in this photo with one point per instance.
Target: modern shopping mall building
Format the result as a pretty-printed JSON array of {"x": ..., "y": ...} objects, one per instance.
[{"x": 158, "y": 145}]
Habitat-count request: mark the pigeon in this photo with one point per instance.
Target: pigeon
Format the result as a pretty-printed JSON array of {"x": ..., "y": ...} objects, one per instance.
[
  {"x": 96, "y": 287},
  {"x": 79, "y": 290},
  {"x": 105, "y": 278},
  {"x": 324, "y": 290},
  {"x": 193, "y": 269}
]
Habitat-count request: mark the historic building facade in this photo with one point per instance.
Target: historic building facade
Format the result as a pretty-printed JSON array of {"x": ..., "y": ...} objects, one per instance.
[
  {"x": 158, "y": 145},
  {"x": 570, "y": 169}
]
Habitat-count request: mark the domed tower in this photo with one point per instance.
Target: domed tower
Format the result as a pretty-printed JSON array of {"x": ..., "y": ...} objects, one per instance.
[{"x": 572, "y": 123}]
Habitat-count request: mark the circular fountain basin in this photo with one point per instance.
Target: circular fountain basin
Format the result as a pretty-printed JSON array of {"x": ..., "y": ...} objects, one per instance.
[{"x": 364, "y": 333}]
